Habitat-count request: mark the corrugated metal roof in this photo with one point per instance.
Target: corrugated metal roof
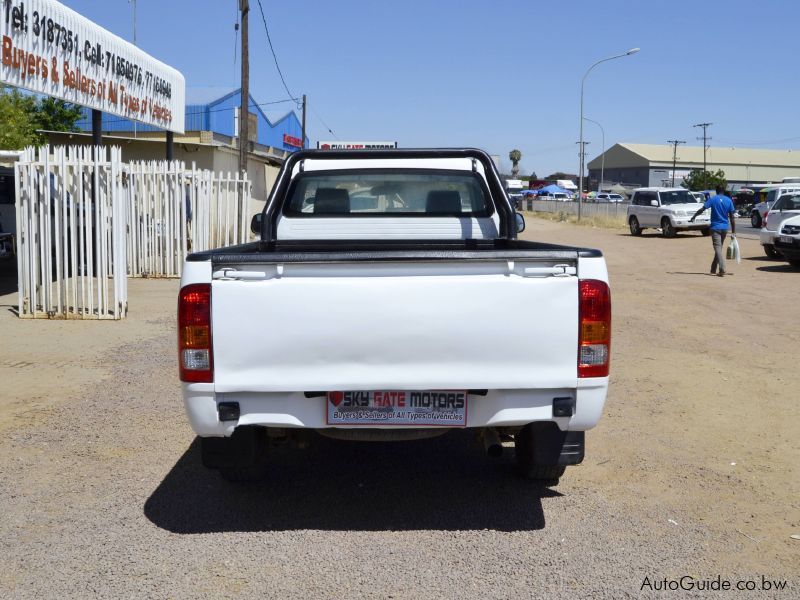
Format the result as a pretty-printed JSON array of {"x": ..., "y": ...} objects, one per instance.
[{"x": 716, "y": 155}]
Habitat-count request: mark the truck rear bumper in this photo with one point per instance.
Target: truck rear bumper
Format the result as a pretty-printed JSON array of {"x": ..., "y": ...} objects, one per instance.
[{"x": 498, "y": 408}]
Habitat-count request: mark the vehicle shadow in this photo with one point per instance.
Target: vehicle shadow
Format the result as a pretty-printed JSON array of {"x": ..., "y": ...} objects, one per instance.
[
  {"x": 445, "y": 483},
  {"x": 657, "y": 234},
  {"x": 766, "y": 259},
  {"x": 779, "y": 268}
]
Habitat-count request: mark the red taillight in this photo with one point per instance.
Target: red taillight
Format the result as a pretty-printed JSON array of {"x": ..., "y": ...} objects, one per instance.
[
  {"x": 594, "y": 335},
  {"x": 195, "y": 355},
  {"x": 766, "y": 214}
]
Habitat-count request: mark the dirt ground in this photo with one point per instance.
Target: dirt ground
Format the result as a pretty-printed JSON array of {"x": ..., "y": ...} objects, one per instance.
[
  {"x": 692, "y": 471},
  {"x": 701, "y": 420}
]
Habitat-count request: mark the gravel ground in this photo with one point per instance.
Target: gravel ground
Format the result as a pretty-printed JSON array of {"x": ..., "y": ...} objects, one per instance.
[{"x": 103, "y": 495}]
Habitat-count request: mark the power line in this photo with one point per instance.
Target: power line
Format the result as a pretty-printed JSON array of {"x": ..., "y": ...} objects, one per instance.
[
  {"x": 269, "y": 39},
  {"x": 280, "y": 73},
  {"x": 324, "y": 124}
]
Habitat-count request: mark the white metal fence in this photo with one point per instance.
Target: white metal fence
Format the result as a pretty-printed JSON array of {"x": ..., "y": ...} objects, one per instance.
[
  {"x": 173, "y": 211},
  {"x": 85, "y": 220},
  {"x": 589, "y": 209},
  {"x": 71, "y": 233}
]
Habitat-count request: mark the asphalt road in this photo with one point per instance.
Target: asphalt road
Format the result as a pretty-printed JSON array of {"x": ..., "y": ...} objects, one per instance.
[{"x": 745, "y": 230}]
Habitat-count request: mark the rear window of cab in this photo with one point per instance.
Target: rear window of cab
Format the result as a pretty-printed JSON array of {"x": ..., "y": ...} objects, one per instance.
[{"x": 375, "y": 193}]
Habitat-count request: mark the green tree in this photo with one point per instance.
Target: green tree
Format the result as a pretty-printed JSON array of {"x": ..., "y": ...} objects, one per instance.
[
  {"x": 560, "y": 175},
  {"x": 17, "y": 124},
  {"x": 698, "y": 180},
  {"x": 56, "y": 115},
  {"x": 515, "y": 156}
]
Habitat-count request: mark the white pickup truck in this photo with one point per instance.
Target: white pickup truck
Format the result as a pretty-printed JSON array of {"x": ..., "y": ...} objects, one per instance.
[{"x": 389, "y": 298}]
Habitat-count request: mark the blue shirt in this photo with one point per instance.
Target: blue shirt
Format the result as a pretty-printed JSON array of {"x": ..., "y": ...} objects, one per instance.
[{"x": 721, "y": 206}]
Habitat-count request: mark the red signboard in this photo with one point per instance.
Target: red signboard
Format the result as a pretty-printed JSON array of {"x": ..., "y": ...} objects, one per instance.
[{"x": 290, "y": 140}]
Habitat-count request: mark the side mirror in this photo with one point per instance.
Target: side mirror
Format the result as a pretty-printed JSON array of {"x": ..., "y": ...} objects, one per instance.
[
  {"x": 520, "y": 222},
  {"x": 653, "y": 202},
  {"x": 255, "y": 223}
]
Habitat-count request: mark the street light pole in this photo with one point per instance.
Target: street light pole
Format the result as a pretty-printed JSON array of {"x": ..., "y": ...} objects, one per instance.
[
  {"x": 582, "y": 157},
  {"x": 603, "y": 155}
]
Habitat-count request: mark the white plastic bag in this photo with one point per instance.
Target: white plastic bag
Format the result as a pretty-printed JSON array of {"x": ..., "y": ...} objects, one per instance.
[{"x": 733, "y": 250}]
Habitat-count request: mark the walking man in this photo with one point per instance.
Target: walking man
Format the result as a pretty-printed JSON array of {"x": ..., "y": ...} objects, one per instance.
[{"x": 722, "y": 211}]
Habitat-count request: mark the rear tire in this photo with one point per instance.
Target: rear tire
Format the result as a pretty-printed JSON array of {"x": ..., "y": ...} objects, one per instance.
[
  {"x": 523, "y": 453},
  {"x": 770, "y": 251},
  {"x": 795, "y": 262},
  {"x": 755, "y": 219},
  {"x": 633, "y": 223},
  {"x": 667, "y": 230},
  {"x": 706, "y": 231}
]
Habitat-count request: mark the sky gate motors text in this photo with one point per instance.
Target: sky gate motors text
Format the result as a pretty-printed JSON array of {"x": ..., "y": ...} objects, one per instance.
[{"x": 405, "y": 399}]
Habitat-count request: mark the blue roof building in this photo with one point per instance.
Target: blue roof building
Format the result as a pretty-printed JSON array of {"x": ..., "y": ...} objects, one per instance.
[{"x": 216, "y": 110}]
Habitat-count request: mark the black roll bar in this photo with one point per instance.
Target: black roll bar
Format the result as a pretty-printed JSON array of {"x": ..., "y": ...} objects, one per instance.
[{"x": 269, "y": 220}]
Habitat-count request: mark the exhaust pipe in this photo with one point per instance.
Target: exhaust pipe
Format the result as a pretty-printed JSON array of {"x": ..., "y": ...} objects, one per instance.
[{"x": 491, "y": 442}]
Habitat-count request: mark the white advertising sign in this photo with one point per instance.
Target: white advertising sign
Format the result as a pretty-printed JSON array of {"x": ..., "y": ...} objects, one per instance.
[
  {"x": 355, "y": 145},
  {"x": 50, "y": 49}
]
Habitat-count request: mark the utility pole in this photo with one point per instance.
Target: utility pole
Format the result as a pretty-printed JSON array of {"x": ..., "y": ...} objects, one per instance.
[
  {"x": 674, "y": 156},
  {"x": 705, "y": 139},
  {"x": 244, "y": 110},
  {"x": 303, "y": 138},
  {"x": 582, "y": 155}
]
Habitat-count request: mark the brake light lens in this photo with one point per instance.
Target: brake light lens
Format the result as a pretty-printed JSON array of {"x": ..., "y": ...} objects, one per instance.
[
  {"x": 594, "y": 335},
  {"x": 195, "y": 354},
  {"x": 764, "y": 223}
]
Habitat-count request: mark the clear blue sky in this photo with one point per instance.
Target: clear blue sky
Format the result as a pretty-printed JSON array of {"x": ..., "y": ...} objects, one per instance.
[{"x": 498, "y": 75}]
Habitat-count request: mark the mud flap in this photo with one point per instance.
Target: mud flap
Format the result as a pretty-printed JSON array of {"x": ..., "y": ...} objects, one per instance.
[
  {"x": 548, "y": 445},
  {"x": 245, "y": 448}
]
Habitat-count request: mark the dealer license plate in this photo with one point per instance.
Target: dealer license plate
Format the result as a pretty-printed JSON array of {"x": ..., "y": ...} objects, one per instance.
[
  {"x": 786, "y": 239},
  {"x": 436, "y": 408}
]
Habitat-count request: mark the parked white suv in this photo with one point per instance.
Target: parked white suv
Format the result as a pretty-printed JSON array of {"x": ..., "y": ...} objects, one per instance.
[
  {"x": 667, "y": 208},
  {"x": 785, "y": 207},
  {"x": 788, "y": 242}
]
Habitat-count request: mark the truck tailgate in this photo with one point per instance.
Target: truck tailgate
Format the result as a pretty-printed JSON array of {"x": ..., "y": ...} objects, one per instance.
[{"x": 447, "y": 324}]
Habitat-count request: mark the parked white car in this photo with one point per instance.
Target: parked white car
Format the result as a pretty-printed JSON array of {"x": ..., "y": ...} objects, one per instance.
[
  {"x": 785, "y": 207},
  {"x": 666, "y": 208},
  {"x": 771, "y": 193},
  {"x": 788, "y": 241},
  {"x": 613, "y": 198}
]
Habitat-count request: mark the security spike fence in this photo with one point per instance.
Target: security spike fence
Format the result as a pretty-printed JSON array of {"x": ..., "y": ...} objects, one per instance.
[{"x": 86, "y": 221}]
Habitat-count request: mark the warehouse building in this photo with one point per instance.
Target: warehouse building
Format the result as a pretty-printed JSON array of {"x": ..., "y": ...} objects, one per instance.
[
  {"x": 643, "y": 165},
  {"x": 217, "y": 110}
]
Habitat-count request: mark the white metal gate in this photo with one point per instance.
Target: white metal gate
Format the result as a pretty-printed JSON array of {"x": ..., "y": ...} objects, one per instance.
[{"x": 71, "y": 233}]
